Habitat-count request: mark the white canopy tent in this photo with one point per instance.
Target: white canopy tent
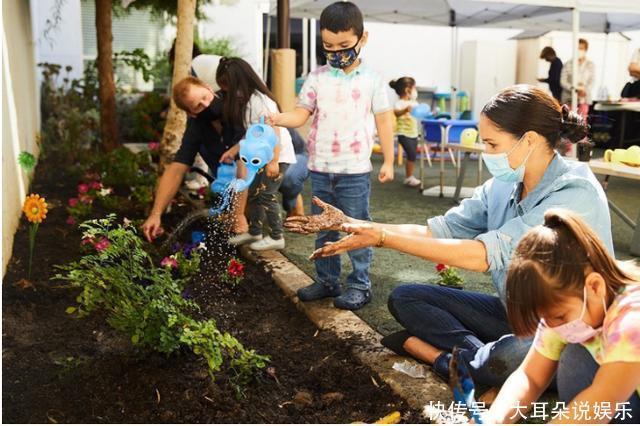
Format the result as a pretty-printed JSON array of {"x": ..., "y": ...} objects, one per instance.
[{"x": 527, "y": 15}]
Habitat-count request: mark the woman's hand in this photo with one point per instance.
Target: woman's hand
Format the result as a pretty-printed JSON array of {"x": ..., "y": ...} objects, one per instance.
[
  {"x": 331, "y": 219},
  {"x": 152, "y": 227},
  {"x": 272, "y": 169},
  {"x": 361, "y": 235}
]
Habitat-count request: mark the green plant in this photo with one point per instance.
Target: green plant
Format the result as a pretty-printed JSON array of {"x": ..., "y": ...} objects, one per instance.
[
  {"x": 69, "y": 113},
  {"x": 147, "y": 122},
  {"x": 26, "y": 161},
  {"x": 221, "y": 46},
  {"x": 449, "y": 276},
  {"x": 146, "y": 302}
]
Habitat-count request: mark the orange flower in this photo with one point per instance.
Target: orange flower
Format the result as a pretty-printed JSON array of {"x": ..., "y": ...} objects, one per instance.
[{"x": 35, "y": 208}]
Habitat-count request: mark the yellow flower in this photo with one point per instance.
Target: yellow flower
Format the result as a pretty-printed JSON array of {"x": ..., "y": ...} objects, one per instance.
[{"x": 35, "y": 208}]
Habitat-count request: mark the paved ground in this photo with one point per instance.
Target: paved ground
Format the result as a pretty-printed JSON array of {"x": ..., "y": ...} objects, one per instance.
[{"x": 394, "y": 203}]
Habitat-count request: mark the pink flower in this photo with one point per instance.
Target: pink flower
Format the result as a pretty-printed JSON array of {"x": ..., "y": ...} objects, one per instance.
[
  {"x": 83, "y": 188},
  {"x": 102, "y": 244},
  {"x": 87, "y": 241},
  {"x": 71, "y": 220},
  {"x": 86, "y": 199},
  {"x": 153, "y": 145},
  {"x": 73, "y": 202},
  {"x": 202, "y": 190},
  {"x": 95, "y": 185},
  {"x": 169, "y": 261}
]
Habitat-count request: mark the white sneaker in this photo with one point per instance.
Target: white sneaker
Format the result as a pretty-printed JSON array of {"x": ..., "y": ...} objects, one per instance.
[
  {"x": 244, "y": 238},
  {"x": 267, "y": 243},
  {"x": 412, "y": 181}
]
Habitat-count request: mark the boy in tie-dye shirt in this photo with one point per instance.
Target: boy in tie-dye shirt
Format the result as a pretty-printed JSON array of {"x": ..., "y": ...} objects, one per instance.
[{"x": 346, "y": 99}]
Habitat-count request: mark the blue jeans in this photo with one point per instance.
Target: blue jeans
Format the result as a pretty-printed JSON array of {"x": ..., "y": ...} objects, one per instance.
[
  {"x": 293, "y": 182},
  {"x": 474, "y": 322},
  {"x": 349, "y": 193},
  {"x": 576, "y": 370}
]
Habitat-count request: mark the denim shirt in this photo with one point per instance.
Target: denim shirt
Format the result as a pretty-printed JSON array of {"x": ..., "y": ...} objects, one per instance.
[{"x": 496, "y": 216}]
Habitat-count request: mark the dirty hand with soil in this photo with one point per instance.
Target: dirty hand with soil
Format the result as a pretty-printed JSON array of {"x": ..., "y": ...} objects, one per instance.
[{"x": 331, "y": 219}]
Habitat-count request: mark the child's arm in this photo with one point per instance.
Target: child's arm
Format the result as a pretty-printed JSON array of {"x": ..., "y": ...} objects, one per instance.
[
  {"x": 291, "y": 120},
  {"x": 230, "y": 155},
  {"x": 384, "y": 124},
  {"x": 403, "y": 111},
  {"x": 523, "y": 387},
  {"x": 272, "y": 169}
]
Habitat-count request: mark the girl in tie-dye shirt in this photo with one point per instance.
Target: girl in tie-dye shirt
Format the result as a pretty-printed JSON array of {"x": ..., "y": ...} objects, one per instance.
[{"x": 584, "y": 308}]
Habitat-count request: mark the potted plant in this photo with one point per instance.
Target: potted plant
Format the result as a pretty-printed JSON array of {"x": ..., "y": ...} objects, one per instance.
[{"x": 449, "y": 277}]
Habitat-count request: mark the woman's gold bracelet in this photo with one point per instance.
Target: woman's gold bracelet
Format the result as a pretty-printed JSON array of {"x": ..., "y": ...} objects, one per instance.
[{"x": 383, "y": 237}]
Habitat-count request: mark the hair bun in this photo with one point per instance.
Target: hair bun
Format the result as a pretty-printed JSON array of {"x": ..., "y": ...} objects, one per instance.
[
  {"x": 393, "y": 84},
  {"x": 573, "y": 126}
]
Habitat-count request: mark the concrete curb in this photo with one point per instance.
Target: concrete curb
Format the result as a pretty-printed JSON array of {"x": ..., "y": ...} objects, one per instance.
[{"x": 348, "y": 326}]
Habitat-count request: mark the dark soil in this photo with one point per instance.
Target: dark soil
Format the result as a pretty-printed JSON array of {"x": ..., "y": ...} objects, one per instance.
[{"x": 57, "y": 368}]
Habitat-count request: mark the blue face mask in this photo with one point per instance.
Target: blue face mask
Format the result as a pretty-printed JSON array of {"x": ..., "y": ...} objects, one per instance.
[
  {"x": 498, "y": 165},
  {"x": 342, "y": 58}
]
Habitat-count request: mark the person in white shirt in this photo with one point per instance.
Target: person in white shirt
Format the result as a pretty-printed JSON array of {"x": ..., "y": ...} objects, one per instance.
[{"x": 585, "y": 79}]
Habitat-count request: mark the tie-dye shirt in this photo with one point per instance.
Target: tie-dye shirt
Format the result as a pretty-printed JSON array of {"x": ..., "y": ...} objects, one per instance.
[
  {"x": 618, "y": 340},
  {"x": 343, "y": 106}
]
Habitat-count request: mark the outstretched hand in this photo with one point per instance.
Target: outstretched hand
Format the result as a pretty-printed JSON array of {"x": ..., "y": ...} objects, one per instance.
[
  {"x": 361, "y": 235},
  {"x": 331, "y": 219}
]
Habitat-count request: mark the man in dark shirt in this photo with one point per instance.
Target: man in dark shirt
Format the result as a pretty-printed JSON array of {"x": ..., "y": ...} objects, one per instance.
[
  {"x": 553, "y": 80},
  {"x": 204, "y": 135}
]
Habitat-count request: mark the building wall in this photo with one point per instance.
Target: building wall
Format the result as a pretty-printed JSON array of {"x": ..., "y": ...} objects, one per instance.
[{"x": 20, "y": 114}]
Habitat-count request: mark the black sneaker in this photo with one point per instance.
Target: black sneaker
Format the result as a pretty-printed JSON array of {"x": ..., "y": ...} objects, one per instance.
[
  {"x": 317, "y": 291},
  {"x": 395, "y": 342},
  {"x": 352, "y": 299}
]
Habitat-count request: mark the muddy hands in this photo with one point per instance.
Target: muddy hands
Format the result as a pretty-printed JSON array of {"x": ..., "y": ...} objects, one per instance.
[{"x": 330, "y": 219}]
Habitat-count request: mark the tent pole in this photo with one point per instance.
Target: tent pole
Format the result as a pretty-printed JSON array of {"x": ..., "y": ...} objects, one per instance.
[
  {"x": 312, "y": 46},
  {"x": 305, "y": 46},
  {"x": 454, "y": 63},
  {"x": 575, "y": 15},
  {"x": 267, "y": 42}
]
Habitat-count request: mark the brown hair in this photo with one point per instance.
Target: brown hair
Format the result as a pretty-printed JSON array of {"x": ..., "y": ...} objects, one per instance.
[
  {"x": 522, "y": 108},
  {"x": 551, "y": 261},
  {"x": 547, "y": 51},
  {"x": 240, "y": 81},
  {"x": 181, "y": 89},
  {"x": 585, "y": 42},
  {"x": 401, "y": 84}
]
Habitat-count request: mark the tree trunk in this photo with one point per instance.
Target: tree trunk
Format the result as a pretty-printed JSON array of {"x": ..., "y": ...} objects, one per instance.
[
  {"x": 176, "y": 119},
  {"x": 107, "y": 87}
]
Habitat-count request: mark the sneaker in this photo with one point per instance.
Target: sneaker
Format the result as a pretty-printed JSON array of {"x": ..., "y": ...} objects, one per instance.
[
  {"x": 318, "y": 291},
  {"x": 352, "y": 299},
  {"x": 267, "y": 243},
  {"x": 412, "y": 181},
  {"x": 244, "y": 238}
]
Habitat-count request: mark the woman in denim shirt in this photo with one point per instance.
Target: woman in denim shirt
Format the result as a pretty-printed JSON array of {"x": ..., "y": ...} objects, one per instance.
[{"x": 520, "y": 126}]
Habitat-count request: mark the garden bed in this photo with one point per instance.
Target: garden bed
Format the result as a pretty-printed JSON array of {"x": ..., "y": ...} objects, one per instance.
[{"x": 58, "y": 368}]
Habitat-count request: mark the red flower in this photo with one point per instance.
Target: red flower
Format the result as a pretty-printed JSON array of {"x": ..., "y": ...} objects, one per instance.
[
  {"x": 73, "y": 202},
  {"x": 87, "y": 241},
  {"x": 83, "y": 188},
  {"x": 153, "y": 145},
  {"x": 170, "y": 262},
  {"x": 202, "y": 190},
  {"x": 71, "y": 220},
  {"x": 235, "y": 268},
  {"x": 95, "y": 185},
  {"x": 441, "y": 267},
  {"x": 101, "y": 245}
]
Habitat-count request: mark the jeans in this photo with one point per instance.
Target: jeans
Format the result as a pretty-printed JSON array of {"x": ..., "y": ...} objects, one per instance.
[
  {"x": 474, "y": 322},
  {"x": 576, "y": 370},
  {"x": 349, "y": 193},
  {"x": 263, "y": 203},
  {"x": 293, "y": 182}
]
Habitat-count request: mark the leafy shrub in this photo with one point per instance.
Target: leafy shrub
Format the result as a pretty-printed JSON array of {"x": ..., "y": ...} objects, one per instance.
[{"x": 146, "y": 302}]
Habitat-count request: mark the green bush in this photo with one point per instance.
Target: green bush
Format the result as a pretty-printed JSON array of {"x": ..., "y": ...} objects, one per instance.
[{"x": 146, "y": 302}]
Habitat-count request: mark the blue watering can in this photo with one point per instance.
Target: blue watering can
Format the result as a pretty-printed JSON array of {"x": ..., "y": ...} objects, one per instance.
[
  {"x": 226, "y": 174},
  {"x": 256, "y": 150},
  {"x": 421, "y": 112}
]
